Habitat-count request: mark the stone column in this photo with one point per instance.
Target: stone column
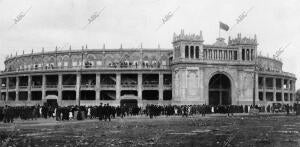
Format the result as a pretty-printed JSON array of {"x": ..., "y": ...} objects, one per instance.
[
  {"x": 7, "y": 85},
  {"x": 78, "y": 82},
  {"x": 59, "y": 89},
  {"x": 140, "y": 85},
  {"x": 256, "y": 88},
  {"x": 274, "y": 84},
  {"x": 222, "y": 55},
  {"x": 29, "y": 88},
  {"x": 43, "y": 88},
  {"x": 282, "y": 89},
  {"x": 118, "y": 86},
  {"x": 239, "y": 54},
  {"x": 17, "y": 88},
  {"x": 160, "y": 86},
  {"x": 264, "y": 89},
  {"x": 274, "y": 89},
  {"x": 97, "y": 88}
]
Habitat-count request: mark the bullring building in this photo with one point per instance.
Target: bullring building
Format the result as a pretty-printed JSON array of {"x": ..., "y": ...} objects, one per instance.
[{"x": 190, "y": 73}]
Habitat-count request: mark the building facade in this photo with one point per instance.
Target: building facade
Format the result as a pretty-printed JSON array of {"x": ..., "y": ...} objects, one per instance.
[{"x": 190, "y": 73}]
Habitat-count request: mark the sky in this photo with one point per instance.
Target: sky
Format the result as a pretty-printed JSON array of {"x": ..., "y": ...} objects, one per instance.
[{"x": 64, "y": 23}]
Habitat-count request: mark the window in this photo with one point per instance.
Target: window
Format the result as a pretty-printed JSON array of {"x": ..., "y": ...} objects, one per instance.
[
  {"x": 243, "y": 54},
  {"x": 197, "y": 52},
  {"x": 260, "y": 96},
  {"x": 235, "y": 55},
  {"x": 186, "y": 52},
  {"x": 192, "y": 52}
]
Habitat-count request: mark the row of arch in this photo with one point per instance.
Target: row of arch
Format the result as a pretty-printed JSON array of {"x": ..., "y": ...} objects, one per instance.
[
  {"x": 248, "y": 54},
  {"x": 192, "y": 52},
  {"x": 75, "y": 60}
]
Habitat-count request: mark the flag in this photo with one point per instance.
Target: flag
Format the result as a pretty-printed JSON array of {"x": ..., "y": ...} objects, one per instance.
[{"x": 224, "y": 26}]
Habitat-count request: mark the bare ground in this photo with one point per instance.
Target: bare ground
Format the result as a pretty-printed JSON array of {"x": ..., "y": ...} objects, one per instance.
[{"x": 266, "y": 130}]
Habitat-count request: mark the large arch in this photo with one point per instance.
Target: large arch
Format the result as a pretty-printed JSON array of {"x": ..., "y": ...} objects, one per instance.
[{"x": 219, "y": 90}]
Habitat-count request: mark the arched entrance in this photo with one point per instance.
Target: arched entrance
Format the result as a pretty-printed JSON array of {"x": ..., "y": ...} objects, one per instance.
[
  {"x": 219, "y": 90},
  {"x": 129, "y": 101}
]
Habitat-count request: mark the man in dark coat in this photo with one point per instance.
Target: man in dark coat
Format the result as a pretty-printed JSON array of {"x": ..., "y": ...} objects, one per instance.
[{"x": 100, "y": 112}]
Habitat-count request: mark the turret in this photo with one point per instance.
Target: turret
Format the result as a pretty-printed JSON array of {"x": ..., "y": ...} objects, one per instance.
[
  {"x": 187, "y": 46},
  {"x": 247, "y": 47}
]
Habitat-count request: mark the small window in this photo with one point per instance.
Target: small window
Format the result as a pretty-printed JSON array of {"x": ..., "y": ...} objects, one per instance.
[
  {"x": 197, "y": 52},
  {"x": 186, "y": 52},
  {"x": 192, "y": 52}
]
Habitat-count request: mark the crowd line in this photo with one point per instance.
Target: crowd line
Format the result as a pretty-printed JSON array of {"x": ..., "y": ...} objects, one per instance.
[{"x": 106, "y": 112}]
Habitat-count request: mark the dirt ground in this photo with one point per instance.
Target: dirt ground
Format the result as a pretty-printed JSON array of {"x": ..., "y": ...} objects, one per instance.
[{"x": 242, "y": 130}]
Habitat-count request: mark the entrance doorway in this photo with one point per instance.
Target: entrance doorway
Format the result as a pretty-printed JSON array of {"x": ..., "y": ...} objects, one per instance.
[
  {"x": 219, "y": 90},
  {"x": 132, "y": 103},
  {"x": 52, "y": 102}
]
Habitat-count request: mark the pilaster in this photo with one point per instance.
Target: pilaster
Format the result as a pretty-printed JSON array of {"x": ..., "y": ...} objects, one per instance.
[
  {"x": 17, "y": 88},
  {"x": 43, "y": 88},
  {"x": 264, "y": 90},
  {"x": 7, "y": 86},
  {"x": 274, "y": 89},
  {"x": 78, "y": 82},
  {"x": 160, "y": 86},
  {"x": 140, "y": 85},
  {"x": 29, "y": 88},
  {"x": 97, "y": 88},
  {"x": 59, "y": 88},
  {"x": 282, "y": 90},
  {"x": 118, "y": 86}
]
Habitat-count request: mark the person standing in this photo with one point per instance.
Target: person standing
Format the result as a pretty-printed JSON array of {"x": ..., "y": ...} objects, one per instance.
[
  {"x": 287, "y": 107},
  {"x": 100, "y": 112},
  {"x": 4, "y": 112}
]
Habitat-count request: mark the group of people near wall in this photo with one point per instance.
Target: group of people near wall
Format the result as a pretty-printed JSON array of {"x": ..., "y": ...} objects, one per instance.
[
  {"x": 126, "y": 64},
  {"x": 106, "y": 112}
]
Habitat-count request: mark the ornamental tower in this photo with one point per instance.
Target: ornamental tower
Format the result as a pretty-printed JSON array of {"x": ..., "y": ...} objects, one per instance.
[
  {"x": 188, "y": 50},
  {"x": 187, "y": 47}
]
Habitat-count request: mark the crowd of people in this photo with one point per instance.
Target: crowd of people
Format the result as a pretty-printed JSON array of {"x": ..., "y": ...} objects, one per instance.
[{"x": 105, "y": 112}]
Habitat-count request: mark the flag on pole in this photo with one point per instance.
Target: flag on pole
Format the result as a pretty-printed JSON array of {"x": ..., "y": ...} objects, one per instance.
[{"x": 224, "y": 26}]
